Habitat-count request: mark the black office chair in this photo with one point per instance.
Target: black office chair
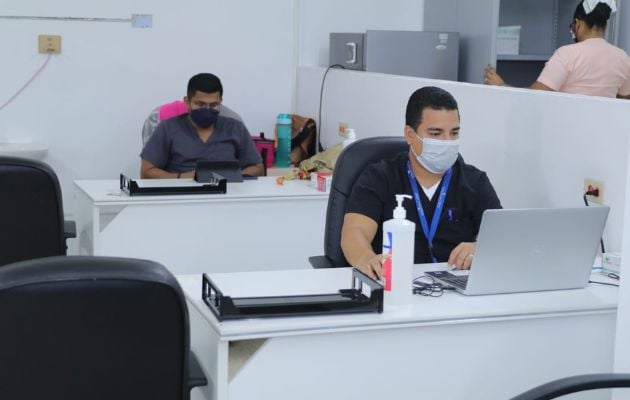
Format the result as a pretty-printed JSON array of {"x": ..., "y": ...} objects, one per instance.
[
  {"x": 31, "y": 211},
  {"x": 97, "y": 328},
  {"x": 574, "y": 384},
  {"x": 351, "y": 162}
]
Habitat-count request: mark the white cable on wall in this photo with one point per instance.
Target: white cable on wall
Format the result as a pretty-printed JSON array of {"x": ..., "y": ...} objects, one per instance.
[
  {"x": 82, "y": 19},
  {"x": 27, "y": 83},
  {"x": 137, "y": 20}
]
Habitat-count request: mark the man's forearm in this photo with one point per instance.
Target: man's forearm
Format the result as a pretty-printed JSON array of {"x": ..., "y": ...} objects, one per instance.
[
  {"x": 156, "y": 173},
  {"x": 356, "y": 248},
  {"x": 254, "y": 170}
]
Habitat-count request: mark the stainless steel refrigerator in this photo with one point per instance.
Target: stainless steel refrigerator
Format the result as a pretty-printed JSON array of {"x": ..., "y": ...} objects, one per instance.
[{"x": 414, "y": 53}]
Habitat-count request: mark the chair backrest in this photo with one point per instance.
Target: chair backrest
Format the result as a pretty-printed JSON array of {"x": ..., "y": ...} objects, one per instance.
[
  {"x": 574, "y": 384},
  {"x": 97, "y": 328},
  {"x": 351, "y": 162},
  {"x": 174, "y": 109},
  {"x": 31, "y": 211}
]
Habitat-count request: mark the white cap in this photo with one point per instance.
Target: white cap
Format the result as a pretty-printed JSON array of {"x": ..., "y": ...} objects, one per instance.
[
  {"x": 589, "y": 5},
  {"x": 399, "y": 211}
]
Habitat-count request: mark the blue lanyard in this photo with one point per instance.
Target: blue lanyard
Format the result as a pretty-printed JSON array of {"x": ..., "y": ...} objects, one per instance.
[{"x": 429, "y": 234}]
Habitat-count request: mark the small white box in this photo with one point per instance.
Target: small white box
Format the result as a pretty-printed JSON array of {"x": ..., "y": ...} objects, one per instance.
[
  {"x": 324, "y": 179},
  {"x": 611, "y": 262},
  {"x": 508, "y": 39}
]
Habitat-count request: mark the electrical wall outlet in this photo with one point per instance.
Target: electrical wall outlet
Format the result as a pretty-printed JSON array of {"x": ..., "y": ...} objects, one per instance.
[
  {"x": 342, "y": 128},
  {"x": 592, "y": 185},
  {"x": 50, "y": 44}
]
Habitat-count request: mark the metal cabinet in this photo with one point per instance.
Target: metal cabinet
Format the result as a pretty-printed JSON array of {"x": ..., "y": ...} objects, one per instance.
[{"x": 544, "y": 28}]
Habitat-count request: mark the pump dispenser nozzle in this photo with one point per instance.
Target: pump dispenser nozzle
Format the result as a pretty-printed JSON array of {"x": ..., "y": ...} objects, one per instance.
[{"x": 399, "y": 211}]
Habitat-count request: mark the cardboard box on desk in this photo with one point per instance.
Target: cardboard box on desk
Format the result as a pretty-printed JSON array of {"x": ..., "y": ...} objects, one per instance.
[{"x": 324, "y": 180}]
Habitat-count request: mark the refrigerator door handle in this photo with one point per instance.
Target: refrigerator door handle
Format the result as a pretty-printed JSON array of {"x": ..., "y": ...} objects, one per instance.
[{"x": 352, "y": 53}]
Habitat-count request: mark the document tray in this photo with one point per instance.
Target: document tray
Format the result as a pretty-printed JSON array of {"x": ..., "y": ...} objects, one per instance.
[
  {"x": 216, "y": 186},
  {"x": 346, "y": 301}
]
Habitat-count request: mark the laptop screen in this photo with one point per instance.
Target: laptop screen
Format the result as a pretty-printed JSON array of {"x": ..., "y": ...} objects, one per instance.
[
  {"x": 231, "y": 170},
  {"x": 525, "y": 250}
]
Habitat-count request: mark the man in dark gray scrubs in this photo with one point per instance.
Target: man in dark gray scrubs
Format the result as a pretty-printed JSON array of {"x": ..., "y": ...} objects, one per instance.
[{"x": 179, "y": 142}]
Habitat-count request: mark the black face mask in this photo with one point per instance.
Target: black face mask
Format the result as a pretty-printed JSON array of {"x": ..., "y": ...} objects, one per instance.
[{"x": 204, "y": 117}]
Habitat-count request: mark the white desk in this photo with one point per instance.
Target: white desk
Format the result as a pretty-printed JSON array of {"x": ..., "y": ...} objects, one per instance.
[
  {"x": 452, "y": 347},
  {"x": 250, "y": 225}
]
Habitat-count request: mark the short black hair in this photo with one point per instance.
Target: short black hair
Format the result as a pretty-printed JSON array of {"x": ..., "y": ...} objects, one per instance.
[
  {"x": 597, "y": 17},
  {"x": 204, "y": 82},
  {"x": 427, "y": 97}
]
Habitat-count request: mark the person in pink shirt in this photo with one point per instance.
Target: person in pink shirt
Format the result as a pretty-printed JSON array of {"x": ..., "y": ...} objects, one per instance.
[{"x": 591, "y": 66}]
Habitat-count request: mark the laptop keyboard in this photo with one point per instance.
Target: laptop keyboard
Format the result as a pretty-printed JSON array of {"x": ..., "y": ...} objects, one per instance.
[{"x": 457, "y": 281}]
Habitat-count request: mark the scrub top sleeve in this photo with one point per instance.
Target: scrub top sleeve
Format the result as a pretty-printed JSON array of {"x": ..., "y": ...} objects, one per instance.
[
  {"x": 248, "y": 155},
  {"x": 157, "y": 149},
  {"x": 367, "y": 196},
  {"x": 556, "y": 71}
]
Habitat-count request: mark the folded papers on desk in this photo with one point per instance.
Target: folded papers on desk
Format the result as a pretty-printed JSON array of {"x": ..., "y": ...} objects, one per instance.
[{"x": 153, "y": 187}]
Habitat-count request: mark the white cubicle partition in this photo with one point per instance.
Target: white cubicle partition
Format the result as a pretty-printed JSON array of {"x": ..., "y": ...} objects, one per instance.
[
  {"x": 622, "y": 338},
  {"x": 537, "y": 147}
]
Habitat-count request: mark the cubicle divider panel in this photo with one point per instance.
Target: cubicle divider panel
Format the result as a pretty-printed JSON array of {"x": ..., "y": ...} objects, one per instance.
[{"x": 537, "y": 147}]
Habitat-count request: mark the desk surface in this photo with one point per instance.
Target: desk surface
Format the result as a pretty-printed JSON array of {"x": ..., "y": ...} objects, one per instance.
[
  {"x": 450, "y": 308},
  {"x": 107, "y": 192}
]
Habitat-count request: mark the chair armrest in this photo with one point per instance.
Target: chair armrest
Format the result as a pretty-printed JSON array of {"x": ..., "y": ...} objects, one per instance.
[
  {"x": 196, "y": 377},
  {"x": 573, "y": 384},
  {"x": 322, "y": 262},
  {"x": 69, "y": 229}
]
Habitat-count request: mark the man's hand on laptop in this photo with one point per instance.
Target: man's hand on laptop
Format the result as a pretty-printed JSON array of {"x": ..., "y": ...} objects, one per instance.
[
  {"x": 461, "y": 257},
  {"x": 372, "y": 267}
]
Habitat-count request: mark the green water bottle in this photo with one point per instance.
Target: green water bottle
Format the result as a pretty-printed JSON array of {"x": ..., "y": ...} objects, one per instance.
[{"x": 283, "y": 151}]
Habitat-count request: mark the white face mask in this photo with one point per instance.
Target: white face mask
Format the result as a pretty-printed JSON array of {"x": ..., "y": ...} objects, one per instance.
[{"x": 437, "y": 155}]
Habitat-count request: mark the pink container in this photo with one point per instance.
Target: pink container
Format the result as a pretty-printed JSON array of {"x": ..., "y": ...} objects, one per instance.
[{"x": 265, "y": 145}]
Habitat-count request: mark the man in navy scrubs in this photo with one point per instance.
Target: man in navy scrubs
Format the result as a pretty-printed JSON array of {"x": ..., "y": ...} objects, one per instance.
[
  {"x": 201, "y": 134},
  {"x": 442, "y": 185}
]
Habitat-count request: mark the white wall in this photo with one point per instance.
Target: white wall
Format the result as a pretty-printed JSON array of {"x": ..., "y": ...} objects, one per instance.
[
  {"x": 318, "y": 18},
  {"x": 89, "y": 104},
  {"x": 622, "y": 338},
  {"x": 537, "y": 147}
]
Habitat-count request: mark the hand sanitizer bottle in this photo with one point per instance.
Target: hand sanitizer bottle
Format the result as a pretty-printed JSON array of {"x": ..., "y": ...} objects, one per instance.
[
  {"x": 351, "y": 136},
  {"x": 398, "y": 248}
]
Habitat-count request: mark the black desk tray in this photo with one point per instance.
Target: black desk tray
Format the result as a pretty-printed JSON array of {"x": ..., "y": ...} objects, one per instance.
[
  {"x": 346, "y": 301},
  {"x": 216, "y": 186}
]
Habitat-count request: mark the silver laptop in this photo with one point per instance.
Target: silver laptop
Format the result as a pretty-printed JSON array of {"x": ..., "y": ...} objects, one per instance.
[{"x": 528, "y": 250}]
